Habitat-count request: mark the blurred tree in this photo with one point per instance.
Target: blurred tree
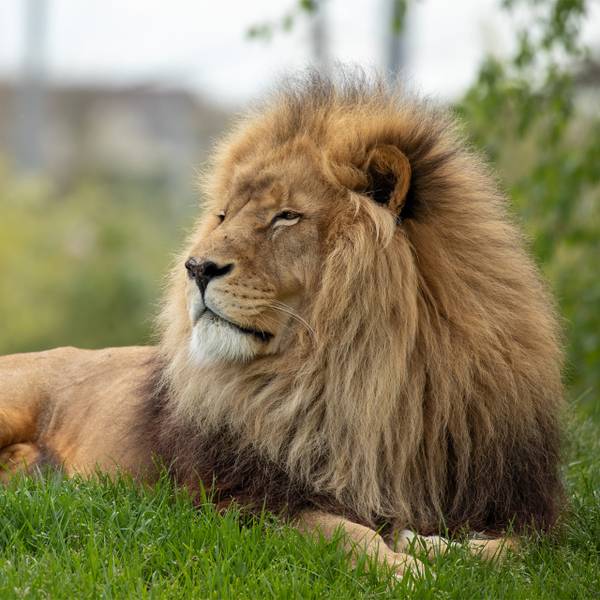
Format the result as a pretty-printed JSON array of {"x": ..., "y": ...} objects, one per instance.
[
  {"x": 297, "y": 11},
  {"x": 83, "y": 269},
  {"x": 526, "y": 112}
]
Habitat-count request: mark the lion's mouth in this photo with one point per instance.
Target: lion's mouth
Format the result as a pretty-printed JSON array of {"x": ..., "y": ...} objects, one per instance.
[{"x": 263, "y": 336}]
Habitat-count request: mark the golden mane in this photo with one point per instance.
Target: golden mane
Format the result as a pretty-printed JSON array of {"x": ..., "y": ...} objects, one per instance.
[{"x": 430, "y": 393}]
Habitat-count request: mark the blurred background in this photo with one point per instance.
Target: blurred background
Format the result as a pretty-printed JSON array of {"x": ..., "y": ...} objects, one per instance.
[{"x": 108, "y": 109}]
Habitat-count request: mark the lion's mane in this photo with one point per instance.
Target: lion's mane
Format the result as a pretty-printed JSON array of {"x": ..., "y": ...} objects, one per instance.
[{"x": 431, "y": 392}]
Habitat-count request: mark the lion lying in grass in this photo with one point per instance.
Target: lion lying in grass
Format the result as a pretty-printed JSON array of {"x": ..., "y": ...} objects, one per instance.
[{"x": 354, "y": 337}]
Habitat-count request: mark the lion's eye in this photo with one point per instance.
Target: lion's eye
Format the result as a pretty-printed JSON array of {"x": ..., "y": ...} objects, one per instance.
[
  {"x": 286, "y": 217},
  {"x": 221, "y": 216}
]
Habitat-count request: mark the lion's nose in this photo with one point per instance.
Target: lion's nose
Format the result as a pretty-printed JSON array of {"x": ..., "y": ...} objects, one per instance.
[{"x": 203, "y": 271}]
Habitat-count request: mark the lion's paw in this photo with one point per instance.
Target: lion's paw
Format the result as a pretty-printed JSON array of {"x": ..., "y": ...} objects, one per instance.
[{"x": 404, "y": 564}]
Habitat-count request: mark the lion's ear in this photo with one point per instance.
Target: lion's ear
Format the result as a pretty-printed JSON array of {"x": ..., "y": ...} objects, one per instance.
[{"x": 388, "y": 175}]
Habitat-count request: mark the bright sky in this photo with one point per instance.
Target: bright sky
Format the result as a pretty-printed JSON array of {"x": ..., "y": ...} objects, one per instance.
[{"x": 201, "y": 44}]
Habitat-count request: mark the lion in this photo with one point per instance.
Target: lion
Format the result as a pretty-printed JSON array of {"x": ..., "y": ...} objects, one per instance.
[{"x": 355, "y": 337}]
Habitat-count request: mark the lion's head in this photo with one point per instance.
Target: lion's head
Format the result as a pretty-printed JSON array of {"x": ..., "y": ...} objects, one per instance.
[{"x": 356, "y": 305}]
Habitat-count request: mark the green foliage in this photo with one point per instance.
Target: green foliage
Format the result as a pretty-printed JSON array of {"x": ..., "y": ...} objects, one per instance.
[
  {"x": 399, "y": 9},
  {"x": 298, "y": 10},
  {"x": 527, "y": 114},
  {"x": 80, "y": 269}
]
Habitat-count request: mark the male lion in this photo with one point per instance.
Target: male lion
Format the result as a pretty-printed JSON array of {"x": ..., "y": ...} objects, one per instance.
[{"x": 354, "y": 337}]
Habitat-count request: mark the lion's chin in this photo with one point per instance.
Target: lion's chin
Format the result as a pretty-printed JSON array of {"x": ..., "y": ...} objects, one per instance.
[{"x": 213, "y": 340}]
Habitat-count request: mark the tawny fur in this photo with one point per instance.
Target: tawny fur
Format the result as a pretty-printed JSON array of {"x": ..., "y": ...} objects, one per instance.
[{"x": 428, "y": 393}]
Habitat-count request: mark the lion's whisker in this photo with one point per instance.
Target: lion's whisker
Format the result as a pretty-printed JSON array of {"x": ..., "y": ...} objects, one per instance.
[{"x": 286, "y": 309}]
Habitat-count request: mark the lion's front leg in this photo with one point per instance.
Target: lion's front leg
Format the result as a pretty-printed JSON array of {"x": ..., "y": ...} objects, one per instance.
[{"x": 359, "y": 540}]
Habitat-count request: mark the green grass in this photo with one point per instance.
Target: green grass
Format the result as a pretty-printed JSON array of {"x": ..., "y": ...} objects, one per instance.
[{"x": 78, "y": 539}]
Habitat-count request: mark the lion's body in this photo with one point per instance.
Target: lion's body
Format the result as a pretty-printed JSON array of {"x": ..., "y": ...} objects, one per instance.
[
  {"x": 75, "y": 408},
  {"x": 360, "y": 332}
]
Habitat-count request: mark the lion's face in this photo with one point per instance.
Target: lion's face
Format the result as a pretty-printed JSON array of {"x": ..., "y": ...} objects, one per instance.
[{"x": 252, "y": 266}]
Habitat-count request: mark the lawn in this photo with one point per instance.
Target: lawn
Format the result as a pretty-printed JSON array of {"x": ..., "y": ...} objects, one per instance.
[{"x": 77, "y": 539}]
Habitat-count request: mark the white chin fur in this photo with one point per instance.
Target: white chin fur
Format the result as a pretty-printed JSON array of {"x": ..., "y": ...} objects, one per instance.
[{"x": 214, "y": 341}]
